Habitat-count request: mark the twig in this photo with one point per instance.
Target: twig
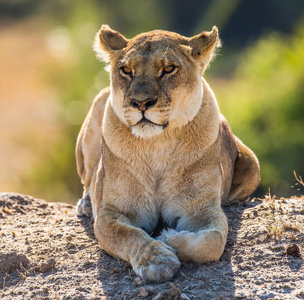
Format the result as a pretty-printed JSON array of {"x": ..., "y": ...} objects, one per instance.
[{"x": 299, "y": 179}]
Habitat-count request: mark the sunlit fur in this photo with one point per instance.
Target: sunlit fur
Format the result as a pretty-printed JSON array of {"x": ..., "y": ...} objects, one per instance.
[{"x": 168, "y": 164}]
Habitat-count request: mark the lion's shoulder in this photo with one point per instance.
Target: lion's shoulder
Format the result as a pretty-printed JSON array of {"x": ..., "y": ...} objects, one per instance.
[
  {"x": 101, "y": 99},
  {"x": 89, "y": 138}
]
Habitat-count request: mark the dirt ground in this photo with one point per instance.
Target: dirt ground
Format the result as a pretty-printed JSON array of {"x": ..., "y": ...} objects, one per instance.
[{"x": 46, "y": 252}]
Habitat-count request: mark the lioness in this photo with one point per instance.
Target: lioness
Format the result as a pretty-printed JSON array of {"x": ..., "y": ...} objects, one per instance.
[{"x": 154, "y": 152}]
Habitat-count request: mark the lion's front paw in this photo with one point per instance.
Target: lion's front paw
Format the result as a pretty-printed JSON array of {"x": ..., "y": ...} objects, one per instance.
[
  {"x": 84, "y": 206},
  {"x": 157, "y": 263},
  {"x": 201, "y": 246}
]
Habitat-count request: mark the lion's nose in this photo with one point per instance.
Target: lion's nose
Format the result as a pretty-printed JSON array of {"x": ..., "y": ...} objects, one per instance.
[{"x": 143, "y": 105}]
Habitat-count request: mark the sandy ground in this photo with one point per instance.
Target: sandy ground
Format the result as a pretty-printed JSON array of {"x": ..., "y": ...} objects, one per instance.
[{"x": 46, "y": 252}]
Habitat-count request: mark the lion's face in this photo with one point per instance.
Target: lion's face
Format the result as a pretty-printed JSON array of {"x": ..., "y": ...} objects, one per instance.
[
  {"x": 152, "y": 87},
  {"x": 155, "y": 79}
]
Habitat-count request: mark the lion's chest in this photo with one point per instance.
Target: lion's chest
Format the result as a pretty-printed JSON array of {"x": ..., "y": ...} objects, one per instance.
[
  {"x": 149, "y": 184},
  {"x": 159, "y": 181}
]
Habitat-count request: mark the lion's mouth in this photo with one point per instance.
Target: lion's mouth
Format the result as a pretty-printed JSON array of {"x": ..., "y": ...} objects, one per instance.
[{"x": 144, "y": 121}]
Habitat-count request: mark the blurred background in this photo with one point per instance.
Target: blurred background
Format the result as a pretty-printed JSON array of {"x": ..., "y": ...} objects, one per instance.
[{"x": 49, "y": 77}]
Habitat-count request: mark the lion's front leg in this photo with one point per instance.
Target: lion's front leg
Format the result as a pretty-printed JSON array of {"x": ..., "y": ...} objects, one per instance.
[
  {"x": 152, "y": 260},
  {"x": 196, "y": 240},
  {"x": 198, "y": 224}
]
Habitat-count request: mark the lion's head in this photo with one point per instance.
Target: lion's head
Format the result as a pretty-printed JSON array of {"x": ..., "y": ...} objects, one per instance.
[{"x": 156, "y": 77}]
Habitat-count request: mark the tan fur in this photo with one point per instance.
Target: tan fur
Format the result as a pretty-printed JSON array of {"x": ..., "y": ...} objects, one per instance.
[{"x": 175, "y": 171}]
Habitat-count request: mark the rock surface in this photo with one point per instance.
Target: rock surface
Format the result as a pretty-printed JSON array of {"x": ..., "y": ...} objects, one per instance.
[{"x": 46, "y": 252}]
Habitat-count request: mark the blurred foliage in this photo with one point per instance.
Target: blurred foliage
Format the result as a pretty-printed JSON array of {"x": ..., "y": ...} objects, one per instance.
[
  {"x": 264, "y": 103},
  {"x": 260, "y": 87}
]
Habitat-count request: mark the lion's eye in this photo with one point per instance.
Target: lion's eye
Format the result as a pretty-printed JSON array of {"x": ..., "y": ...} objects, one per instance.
[
  {"x": 126, "y": 70},
  {"x": 168, "y": 69}
]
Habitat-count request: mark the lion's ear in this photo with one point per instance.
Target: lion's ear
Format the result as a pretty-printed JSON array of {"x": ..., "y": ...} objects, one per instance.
[
  {"x": 108, "y": 42},
  {"x": 204, "y": 46}
]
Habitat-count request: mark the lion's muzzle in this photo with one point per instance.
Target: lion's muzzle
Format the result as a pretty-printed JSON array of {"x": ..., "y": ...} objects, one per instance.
[{"x": 143, "y": 105}]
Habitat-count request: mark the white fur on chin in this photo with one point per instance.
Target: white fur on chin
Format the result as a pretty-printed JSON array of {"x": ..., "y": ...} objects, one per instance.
[{"x": 146, "y": 130}]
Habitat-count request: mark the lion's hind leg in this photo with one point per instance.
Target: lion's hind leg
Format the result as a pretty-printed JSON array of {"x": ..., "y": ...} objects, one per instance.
[
  {"x": 246, "y": 176},
  {"x": 84, "y": 206}
]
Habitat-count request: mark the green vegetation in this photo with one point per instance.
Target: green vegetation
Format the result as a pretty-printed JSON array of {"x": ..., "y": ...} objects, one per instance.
[{"x": 264, "y": 104}]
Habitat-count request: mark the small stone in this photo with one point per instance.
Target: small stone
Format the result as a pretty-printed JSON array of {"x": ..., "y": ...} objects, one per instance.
[
  {"x": 9, "y": 262},
  {"x": 143, "y": 293},
  {"x": 183, "y": 296},
  {"x": 293, "y": 250},
  {"x": 46, "y": 266},
  {"x": 200, "y": 285},
  {"x": 137, "y": 281},
  {"x": 172, "y": 293},
  {"x": 146, "y": 291},
  {"x": 159, "y": 296}
]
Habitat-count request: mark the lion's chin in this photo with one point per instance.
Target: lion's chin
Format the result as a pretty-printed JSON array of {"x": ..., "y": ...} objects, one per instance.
[{"x": 147, "y": 130}]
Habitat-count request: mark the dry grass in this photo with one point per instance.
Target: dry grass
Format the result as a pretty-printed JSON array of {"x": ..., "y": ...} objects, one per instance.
[
  {"x": 298, "y": 178},
  {"x": 278, "y": 224}
]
